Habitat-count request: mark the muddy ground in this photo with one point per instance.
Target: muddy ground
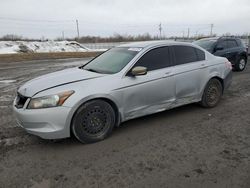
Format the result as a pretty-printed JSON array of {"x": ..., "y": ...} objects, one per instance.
[
  {"x": 22, "y": 57},
  {"x": 185, "y": 147}
]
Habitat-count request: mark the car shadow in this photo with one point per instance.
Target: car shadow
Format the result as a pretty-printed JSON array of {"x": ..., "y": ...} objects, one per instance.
[
  {"x": 129, "y": 126},
  {"x": 146, "y": 121}
]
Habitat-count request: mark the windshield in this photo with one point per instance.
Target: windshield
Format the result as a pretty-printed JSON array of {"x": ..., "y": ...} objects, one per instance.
[
  {"x": 207, "y": 44},
  {"x": 112, "y": 61}
]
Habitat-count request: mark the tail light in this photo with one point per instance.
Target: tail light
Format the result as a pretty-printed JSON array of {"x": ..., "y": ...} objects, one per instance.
[{"x": 229, "y": 65}]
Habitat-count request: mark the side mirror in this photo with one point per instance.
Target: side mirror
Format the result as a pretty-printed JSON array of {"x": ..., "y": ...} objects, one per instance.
[
  {"x": 139, "y": 71},
  {"x": 218, "y": 48}
]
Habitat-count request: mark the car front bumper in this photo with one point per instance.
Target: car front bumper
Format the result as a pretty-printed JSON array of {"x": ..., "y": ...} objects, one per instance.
[{"x": 47, "y": 123}]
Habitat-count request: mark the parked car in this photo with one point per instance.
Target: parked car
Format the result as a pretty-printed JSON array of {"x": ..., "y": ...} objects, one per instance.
[
  {"x": 126, "y": 82},
  {"x": 231, "y": 48}
]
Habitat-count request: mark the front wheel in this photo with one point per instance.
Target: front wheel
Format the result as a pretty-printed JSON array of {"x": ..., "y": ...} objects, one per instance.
[
  {"x": 212, "y": 94},
  {"x": 93, "y": 121}
]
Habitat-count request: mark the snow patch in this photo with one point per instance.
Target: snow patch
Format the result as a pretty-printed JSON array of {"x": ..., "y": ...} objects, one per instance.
[
  {"x": 6, "y": 81},
  {"x": 6, "y": 98},
  {"x": 10, "y": 47}
]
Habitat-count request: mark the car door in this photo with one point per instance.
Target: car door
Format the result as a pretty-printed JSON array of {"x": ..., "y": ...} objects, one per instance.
[
  {"x": 150, "y": 93},
  {"x": 190, "y": 73},
  {"x": 233, "y": 50}
]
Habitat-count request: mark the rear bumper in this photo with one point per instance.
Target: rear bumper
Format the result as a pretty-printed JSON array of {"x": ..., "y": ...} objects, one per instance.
[{"x": 228, "y": 80}]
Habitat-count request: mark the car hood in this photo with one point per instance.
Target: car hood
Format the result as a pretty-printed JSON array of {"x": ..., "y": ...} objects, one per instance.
[{"x": 55, "y": 79}]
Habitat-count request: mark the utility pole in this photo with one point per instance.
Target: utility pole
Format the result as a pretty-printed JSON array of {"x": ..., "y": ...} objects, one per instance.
[
  {"x": 77, "y": 27},
  {"x": 211, "y": 31},
  {"x": 63, "y": 35},
  {"x": 160, "y": 29},
  {"x": 248, "y": 37},
  {"x": 188, "y": 33}
]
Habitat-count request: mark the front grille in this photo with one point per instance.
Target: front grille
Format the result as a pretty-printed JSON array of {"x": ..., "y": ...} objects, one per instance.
[{"x": 20, "y": 100}]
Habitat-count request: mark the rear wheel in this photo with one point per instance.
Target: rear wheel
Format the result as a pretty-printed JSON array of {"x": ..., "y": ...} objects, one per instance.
[
  {"x": 93, "y": 121},
  {"x": 241, "y": 64},
  {"x": 212, "y": 94}
]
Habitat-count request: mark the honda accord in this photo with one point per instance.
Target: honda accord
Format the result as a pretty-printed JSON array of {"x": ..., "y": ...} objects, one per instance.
[{"x": 123, "y": 83}]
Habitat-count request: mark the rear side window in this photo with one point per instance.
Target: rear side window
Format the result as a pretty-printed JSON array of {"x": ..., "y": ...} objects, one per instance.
[
  {"x": 155, "y": 59},
  {"x": 187, "y": 54},
  {"x": 241, "y": 43},
  {"x": 232, "y": 44},
  {"x": 200, "y": 54}
]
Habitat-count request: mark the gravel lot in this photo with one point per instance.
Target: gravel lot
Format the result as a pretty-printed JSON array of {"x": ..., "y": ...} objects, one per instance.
[{"x": 185, "y": 147}]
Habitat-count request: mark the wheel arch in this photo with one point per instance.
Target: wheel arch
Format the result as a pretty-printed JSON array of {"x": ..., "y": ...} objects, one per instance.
[
  {"x": 240, "y": 55},
  {"x": 114, "y": 106},
  {"x": 105, "y": 98},
  {"x": 204, "y": 101},
  {"x": 221, "y": 81},
  {"x": 244, "y": 55},
  {"x": 214, "y": 77}
]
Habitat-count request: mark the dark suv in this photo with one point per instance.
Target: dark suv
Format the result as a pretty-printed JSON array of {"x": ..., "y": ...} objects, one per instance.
[{"x": 230, "y": 47}]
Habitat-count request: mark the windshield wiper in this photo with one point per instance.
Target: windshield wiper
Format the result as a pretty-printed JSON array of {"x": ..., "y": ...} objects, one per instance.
[
  {"x": 96, "y": 71},
  {"x": 92, "y": 70}
]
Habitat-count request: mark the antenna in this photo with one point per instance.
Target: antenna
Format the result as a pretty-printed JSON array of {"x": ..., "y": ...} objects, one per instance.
[
  {"x": 77, "y": 27},
  {"x": 160, "y": 29},
  {"x": 211, "y": 31}
]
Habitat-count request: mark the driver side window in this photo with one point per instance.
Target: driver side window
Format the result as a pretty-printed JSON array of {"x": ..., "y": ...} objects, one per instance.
[{"x": 157, "y": 58}]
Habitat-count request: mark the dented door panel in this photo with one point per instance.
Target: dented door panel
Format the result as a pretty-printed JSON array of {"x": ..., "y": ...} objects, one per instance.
[{"x": 147, "y": 94}]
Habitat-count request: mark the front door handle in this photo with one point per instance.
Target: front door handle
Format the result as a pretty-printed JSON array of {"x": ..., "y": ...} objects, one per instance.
[{"x": 167, "y": 74}]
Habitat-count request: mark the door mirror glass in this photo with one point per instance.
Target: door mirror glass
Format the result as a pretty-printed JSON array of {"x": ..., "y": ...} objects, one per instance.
[{"x": 139, "y": 71}]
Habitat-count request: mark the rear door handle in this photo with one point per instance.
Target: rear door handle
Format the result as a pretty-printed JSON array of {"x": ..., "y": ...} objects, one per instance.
[{"x": 203, "y": 65}]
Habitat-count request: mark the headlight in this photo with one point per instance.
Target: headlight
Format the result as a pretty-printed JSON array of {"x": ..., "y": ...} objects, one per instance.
[{"x": 49, "y": 101}]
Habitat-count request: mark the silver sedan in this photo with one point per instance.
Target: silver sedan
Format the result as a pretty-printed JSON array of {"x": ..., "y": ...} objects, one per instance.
[{"x": 125, "y": 82}]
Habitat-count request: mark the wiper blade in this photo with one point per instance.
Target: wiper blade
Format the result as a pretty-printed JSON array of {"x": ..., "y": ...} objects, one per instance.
[{"x": 92, "y": 70}]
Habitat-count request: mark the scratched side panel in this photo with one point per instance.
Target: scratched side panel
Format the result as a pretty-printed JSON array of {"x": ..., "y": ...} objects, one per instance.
[{"x": 147, "y": 94}]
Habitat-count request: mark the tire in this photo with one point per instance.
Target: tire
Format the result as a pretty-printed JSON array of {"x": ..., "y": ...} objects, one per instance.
[
  {"x": 93, "y": 121},
  {"x": 241, "y": 64},
  {"x": 212, "y": 94}
]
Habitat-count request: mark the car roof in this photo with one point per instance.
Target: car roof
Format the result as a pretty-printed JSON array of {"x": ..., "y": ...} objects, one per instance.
[
  {"x": 209, "y": 38},
  {"x": 145, "y": 44},
  {"x": 217, "y": 38}
]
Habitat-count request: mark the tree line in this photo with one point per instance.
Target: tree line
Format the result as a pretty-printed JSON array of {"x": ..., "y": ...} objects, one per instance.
[{"x": 114, "y": 38}]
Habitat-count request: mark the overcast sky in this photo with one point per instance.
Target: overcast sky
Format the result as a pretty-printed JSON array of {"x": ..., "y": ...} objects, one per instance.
[{"x": 50, "y": 18}]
